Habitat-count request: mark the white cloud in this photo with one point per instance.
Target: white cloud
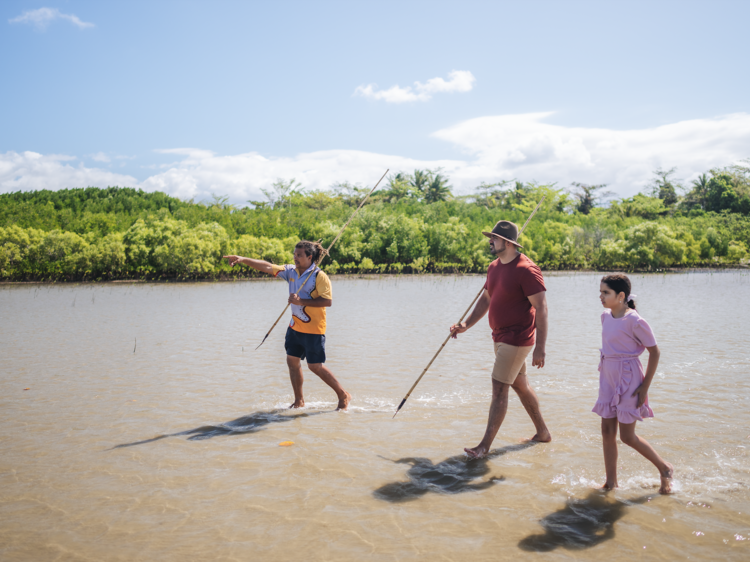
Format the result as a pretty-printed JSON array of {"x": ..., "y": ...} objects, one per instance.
[
  {"x": 100, "y": 157},
  {"x": 459, "y": 81},
  {"x": 242, "y": 176},
  {"x": 27, "y": 171},
  {"x": 525, "y": 147},
  {"x": 191, "y": 153},
  {"x": 42, "y": 17}
]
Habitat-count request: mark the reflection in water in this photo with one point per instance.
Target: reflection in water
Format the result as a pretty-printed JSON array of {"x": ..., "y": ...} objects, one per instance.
[
  {"x": 451, "y": 476},
  {"x": 246, "y": 424},
  {"x": 581, "y": 523}
]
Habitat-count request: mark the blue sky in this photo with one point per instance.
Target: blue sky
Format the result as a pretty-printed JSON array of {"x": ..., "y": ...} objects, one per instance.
[{"x": 224, "y": 97}]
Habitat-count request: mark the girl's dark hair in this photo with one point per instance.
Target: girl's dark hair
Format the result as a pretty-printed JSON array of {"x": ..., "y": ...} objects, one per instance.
[
  {"x": 311, "y": 249},
  {"x": 619, "y": 283}
]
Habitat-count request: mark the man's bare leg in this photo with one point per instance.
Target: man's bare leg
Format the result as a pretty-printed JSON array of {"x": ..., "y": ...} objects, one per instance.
[
  {"x": 498, "y": 408},
  {"x": 327, "y": 377},
  {"x": 609, "y": 445},
  {"x": 531, "y": 403},
  {"x": 666, "y": 470},
  {"x": 295, "y": 374}
]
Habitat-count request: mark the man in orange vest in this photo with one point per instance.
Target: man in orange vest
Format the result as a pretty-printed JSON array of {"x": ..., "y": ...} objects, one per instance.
[{"x": 309, "y": 294}]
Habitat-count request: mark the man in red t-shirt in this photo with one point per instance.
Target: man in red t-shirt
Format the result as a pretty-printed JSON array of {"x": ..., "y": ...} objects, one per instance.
[{"x": 516, "y": 299}]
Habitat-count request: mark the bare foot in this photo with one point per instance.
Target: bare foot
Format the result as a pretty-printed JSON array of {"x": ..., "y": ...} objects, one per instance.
[
  {"x": 666, "y": 480},
  {"x": 297, "y": 404},
  {"x": 607, "y": 486},
  {"x": 545, "y": 437},
  {"x": 344, "y": 402},
  {"x": 476, "y": 453}
]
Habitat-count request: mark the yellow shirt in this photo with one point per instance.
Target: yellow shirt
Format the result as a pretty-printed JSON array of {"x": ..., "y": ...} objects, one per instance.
[{"x": 309, "y": 284}]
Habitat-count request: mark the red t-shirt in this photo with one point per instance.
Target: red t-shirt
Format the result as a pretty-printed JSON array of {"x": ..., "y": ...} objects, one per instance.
[{"x": 510, "y": 285}]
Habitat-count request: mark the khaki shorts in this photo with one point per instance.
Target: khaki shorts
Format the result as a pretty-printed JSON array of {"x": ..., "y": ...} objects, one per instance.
[{"x": 510, "y": 361}]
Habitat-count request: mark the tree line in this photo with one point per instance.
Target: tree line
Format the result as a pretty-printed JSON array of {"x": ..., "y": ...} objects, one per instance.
[{"x": 414, "y": 224}]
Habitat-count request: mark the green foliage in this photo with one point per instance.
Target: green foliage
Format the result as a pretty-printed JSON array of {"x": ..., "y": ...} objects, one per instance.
[
  {"x": 437, "y": 189},
  {"x": 696, "y": 198},
  {"x": 16, "y": 244},
  {"x": 640, "y": 206},
  {"x": 264, "y": 248},
  {"x": 665, "y": 187},
  {"x": 412, "y": 225},
  {"x": 83, "y": 210},
  {"x": 398, "y": 188},
  {"x": 145, "y": 236},
  {"x": 429, "y": 186},
  {"x": 722, "y": 195},
  {"x": 106, "y": 257},
  {"x": 588, "y": 196},
  {"x": 645, "y": 246},
  {"x": 736, "y": 252},
  {"x": 193, "y": 251}
]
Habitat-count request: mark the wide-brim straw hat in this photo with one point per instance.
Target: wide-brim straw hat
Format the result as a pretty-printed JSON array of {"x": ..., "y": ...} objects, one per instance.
[{"x": 505, "y": 230}]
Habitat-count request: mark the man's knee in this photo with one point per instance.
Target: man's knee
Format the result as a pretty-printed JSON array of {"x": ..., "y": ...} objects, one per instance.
[
  {"x": 521, "y": 384},
  {"x": 499, "y": 388}
]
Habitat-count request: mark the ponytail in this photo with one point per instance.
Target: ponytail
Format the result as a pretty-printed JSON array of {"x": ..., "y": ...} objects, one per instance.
[
  {"x": 620, "y": 283},
  {"x": 312, "y": 249}
]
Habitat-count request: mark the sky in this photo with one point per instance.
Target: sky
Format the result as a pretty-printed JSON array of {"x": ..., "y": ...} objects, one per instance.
[{"x": 225, "y": 97}]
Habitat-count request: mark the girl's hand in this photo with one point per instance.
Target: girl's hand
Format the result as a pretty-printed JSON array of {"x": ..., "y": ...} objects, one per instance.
[{"x": 642, "y": 393}]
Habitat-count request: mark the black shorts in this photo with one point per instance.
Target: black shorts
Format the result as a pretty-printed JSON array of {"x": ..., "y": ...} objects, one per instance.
[{"x": 310, "y": 346}]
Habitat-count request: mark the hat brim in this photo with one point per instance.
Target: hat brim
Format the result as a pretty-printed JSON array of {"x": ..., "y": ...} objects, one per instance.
[{"x": 491, "y": 234}]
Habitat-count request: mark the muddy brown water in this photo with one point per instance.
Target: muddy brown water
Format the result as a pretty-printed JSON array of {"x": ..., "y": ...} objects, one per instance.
[{"x": 172, "y": 452}]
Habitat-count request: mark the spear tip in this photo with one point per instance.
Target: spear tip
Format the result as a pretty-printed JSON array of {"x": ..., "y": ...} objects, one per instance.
[
  {"x": 264, "y": 341},
  {"x": 399, "y": 407}
]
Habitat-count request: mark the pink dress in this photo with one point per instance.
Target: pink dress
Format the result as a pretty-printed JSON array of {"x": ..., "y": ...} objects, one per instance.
[{"x": 620, "y": 370}]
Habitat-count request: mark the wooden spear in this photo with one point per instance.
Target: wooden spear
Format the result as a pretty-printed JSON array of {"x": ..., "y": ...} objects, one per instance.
[
  {"x": 460, "y": 320},
  {"x": 324, "y": 254}
]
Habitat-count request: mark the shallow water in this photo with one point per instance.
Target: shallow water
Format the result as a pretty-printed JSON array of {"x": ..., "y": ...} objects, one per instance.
[{"x": 172, "y": 452}]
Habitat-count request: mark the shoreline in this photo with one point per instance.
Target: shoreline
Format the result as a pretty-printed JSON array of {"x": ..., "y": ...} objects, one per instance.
[{"x": 233, "y": 279}]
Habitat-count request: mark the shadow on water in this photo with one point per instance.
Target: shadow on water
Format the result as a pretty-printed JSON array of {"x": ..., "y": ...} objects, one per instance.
[
  {"x": 246, "y": 424},
  {"x": 582, "y": 523},
  {"x": 451, "y": 476}
]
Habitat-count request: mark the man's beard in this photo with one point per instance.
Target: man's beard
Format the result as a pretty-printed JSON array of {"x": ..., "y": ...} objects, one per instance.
[{"x": 494, "y": 250}]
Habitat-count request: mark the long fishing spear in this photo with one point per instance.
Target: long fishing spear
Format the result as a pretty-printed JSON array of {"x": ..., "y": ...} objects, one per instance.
[
  {"x": 462, "y": 318},
  {"x": 324, "y": 253}
]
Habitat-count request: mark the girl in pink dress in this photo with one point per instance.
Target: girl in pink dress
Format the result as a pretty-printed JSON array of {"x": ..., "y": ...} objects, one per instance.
[{"x": 623, "y": 387}]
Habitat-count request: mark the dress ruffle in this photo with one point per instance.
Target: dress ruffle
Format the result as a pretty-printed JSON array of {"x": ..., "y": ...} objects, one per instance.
[
  {"x": 636, "y": 414},
  {"x": 612, "y": 407},
  {"x": 604, "y": 409}
]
